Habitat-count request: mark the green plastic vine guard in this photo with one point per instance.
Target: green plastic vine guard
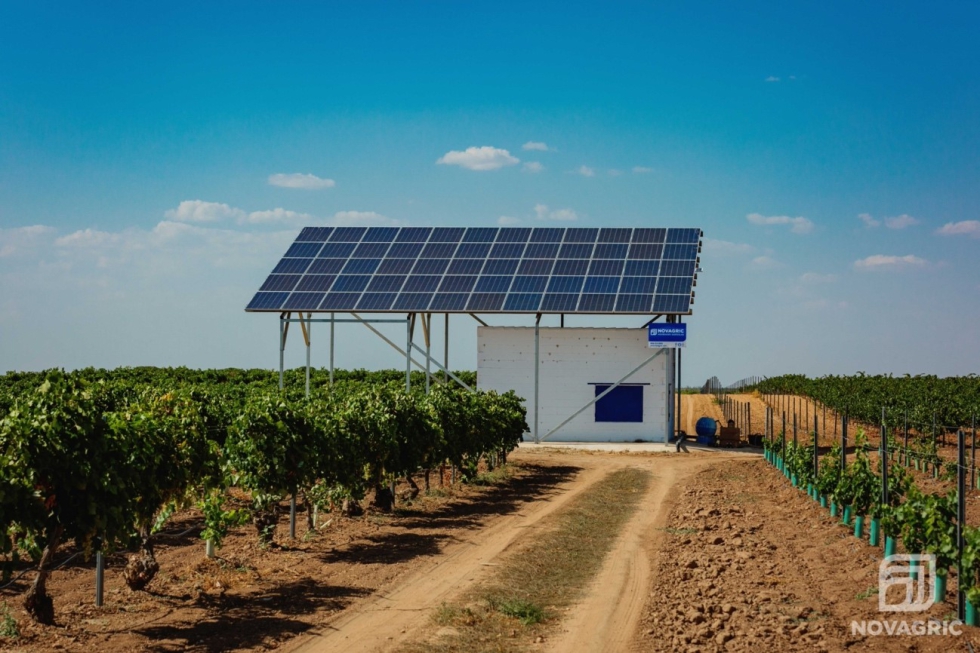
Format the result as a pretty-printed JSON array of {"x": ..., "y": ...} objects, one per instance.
[
  {"x": 833, "y": 508},
  {"x": 846, "y": 517},
  {"x": 823, "y": 501},
  {"x": 890, "y": 546},
  {"x": 971, "y": 614},
  {"x": 859, "y": 526},
  {"x": 939, "y": 588},
  {"x": 874, "y": 535}
]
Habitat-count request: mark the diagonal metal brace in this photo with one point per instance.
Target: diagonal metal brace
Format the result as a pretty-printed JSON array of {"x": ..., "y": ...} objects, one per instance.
[
  {"x": 441, "y": 368},
  {"x": 604, "y": 393},
  {"x": 393, "y": 345}
]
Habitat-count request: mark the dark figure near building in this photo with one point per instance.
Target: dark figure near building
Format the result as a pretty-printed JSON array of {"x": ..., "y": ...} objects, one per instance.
[{"x": 682, "y": 442}]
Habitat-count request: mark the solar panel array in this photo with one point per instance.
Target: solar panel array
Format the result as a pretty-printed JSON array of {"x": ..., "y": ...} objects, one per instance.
[{"x": 485, "y": 270}]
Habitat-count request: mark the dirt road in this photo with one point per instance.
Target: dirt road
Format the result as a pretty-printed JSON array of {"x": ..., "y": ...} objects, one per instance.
[{"x": 604, "y": 621}]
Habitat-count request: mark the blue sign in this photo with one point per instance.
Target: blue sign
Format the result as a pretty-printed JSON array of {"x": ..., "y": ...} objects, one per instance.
[{"x": 667, "y": 335}]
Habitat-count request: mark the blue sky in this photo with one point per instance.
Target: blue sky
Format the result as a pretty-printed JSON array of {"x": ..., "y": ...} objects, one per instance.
[{"x": 139, "y": 148}]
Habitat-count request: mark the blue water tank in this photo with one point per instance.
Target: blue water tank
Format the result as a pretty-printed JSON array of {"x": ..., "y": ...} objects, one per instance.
[{"x": 706, "y": 426}]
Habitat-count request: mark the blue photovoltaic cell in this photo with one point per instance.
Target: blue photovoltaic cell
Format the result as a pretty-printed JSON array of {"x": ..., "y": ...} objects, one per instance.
[
  {"x": 560, "y": 303},
  {"x": 641, "y": 251},
  {"x": 280, "y": 282},
  {"x": 633, "y": 303},
  {"x": 649, "y": 235},
  {"x": 522, "y": 302},
  {"x": 507, "y": 250},
  {"x": 339, "y": 301},
  {"x": 638, "y": 285},
  {"x": 642, "y": 268},
  {"x": 303, "y": 250},
  {"x": 615, "y": 235},
  {"x": 566, "y": 284},
  {"x": 457, "y": 283},
  {"x": 292, "y": 266},
  {"x": 535, "y": 266},
  {"x": 351, "y": 282},
  {"x": 405, "y": 250},
  {"x": 482, "y": 269},
  {"x": 573, "y": 250},
  {"x": 438, "y": 250},
  {"x": 601, "y": 285},
  {"x": 386, "y": 283},
  {"x": 347, "y": 234},
  {"x": 596, "y": 303},
  {"x": 314, "y": 234},
  {"x": 396, "y": 266},
  {"x": 412, "y": 301},
  {"x": 303, "y": 301},
  {"x": 316, "y": 283},
  {"x": 682, "y": 252},
  {"x": 514, "y": 235},
  {"x": 610, "y": 251},
  {"x": 485, "y": 301},
  {"x": 370, "y": 250},
  {"x": 362, "y": 265},
  {"x": 479, "y": 235},
  {"x": 571, "y": 266},
  {"x": 446, "y": 235},
  {"x": 471, "y": 250},
  {"x": 466, "y": 266},
  {"x": 501, "y": 266},
  {"x": 541, "y": 250},
  {"x": 326, "y": 266},
  {"x": 493, "y": 283},
  {"x": 337, "y": 250},
  {"x": 689, "y": 236},
  {"x": 413, "y": 235},
  {"x": 376, "y": 301},
  {"x": 606, "y": 268},
  {"x": 581, "y": 235},
  {"x": 431, "y": 266},
  {"x": 528, "y": 284},
  {"x": 380, "y": 234},
  {"x": 448, "y": 302},
  {"x": 422, "y": 283},
  {"x": 267, "y": 300}
]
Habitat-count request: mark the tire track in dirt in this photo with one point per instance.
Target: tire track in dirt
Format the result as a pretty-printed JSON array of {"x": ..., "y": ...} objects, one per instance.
[
  {"x": 607, "y": 618},
  {"x": 383, "y": 622}
]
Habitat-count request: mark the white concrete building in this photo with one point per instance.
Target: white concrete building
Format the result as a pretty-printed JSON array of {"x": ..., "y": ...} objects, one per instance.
[{"x": 575, "y": 366}]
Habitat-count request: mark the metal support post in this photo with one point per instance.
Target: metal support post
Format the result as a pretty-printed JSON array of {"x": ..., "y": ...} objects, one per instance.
[
  {"x": 408, "y": 351},
  {"x": 537, "y": 374},
  {"x": 445, "y": 353},
  {"x": 884, "y": 459},
  {"x": 843, "y": 440},
  {"x": 680, "y": 414},
  {"x": 332, "y": 322},
  {"x": 99, "y": 578},
  {"x": 973, "y": 453},
  {"x": 795, "y": 439},
  {"x": 426, "y": 327},
  {"x": 307, "y": 334},
  {"x": 816, "y": 447},
  {"x": 960, "y": 522},
  {"x": 282, "y": 349},
  {"x": 292, "y": 517}
]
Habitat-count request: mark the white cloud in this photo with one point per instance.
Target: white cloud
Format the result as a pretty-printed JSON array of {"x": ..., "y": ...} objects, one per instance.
[
  {"x": 300, "y": 180},
  {"x": 543, "y": 213},
  {"x": 868, "y": 220},
  {"x": 506, "y": 220},
  {"x": 726, "y": 247},
  {"x": 816, "y": 277},
  {"x": 536, "y": 145},
  {"x": 532, "y": 167},
  {"x": 764, "y": 263},
  {"x": 613, "y": 172},
  {"x": 962, "y": 228},
  {"x": 640, "y": 170},
  {"x": 21, "y": 240},
  {"x": 278, "y": 216},
  {"x": 585, "y": 171},
  {"x": 88, "y": 238},
  {"x": 799, "y": 225},
  {"x": 900, "y": 222},
  {"x": 361, "y": 218},
  {"x": 772, "y": 78},
  {"x": 201, "y": 211},
  {"x": 479, "y": 158},
  {"x": 882, "y": 262}
]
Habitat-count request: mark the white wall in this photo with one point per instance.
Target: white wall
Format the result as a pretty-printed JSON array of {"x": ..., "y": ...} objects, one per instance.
[{"x": 571, "y": 359}]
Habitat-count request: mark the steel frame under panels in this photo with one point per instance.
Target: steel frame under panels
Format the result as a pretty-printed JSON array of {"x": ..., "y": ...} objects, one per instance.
[{"x": 285, "y": 319}]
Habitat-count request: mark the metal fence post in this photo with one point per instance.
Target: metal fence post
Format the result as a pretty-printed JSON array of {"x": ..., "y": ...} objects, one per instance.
[
  {"x": 883, "y": 449},
  {"x": 99, "y": 577},
  {"x": 843, "y": 439},
  {"x": 960, "y": 521}
]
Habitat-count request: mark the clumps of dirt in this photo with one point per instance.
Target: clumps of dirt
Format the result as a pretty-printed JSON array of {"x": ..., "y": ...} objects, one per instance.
[{"x": 749, "y": 563}]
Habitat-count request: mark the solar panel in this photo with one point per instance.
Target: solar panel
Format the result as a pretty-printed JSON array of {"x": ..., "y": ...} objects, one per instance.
[{"x": 644, "y": 271}]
